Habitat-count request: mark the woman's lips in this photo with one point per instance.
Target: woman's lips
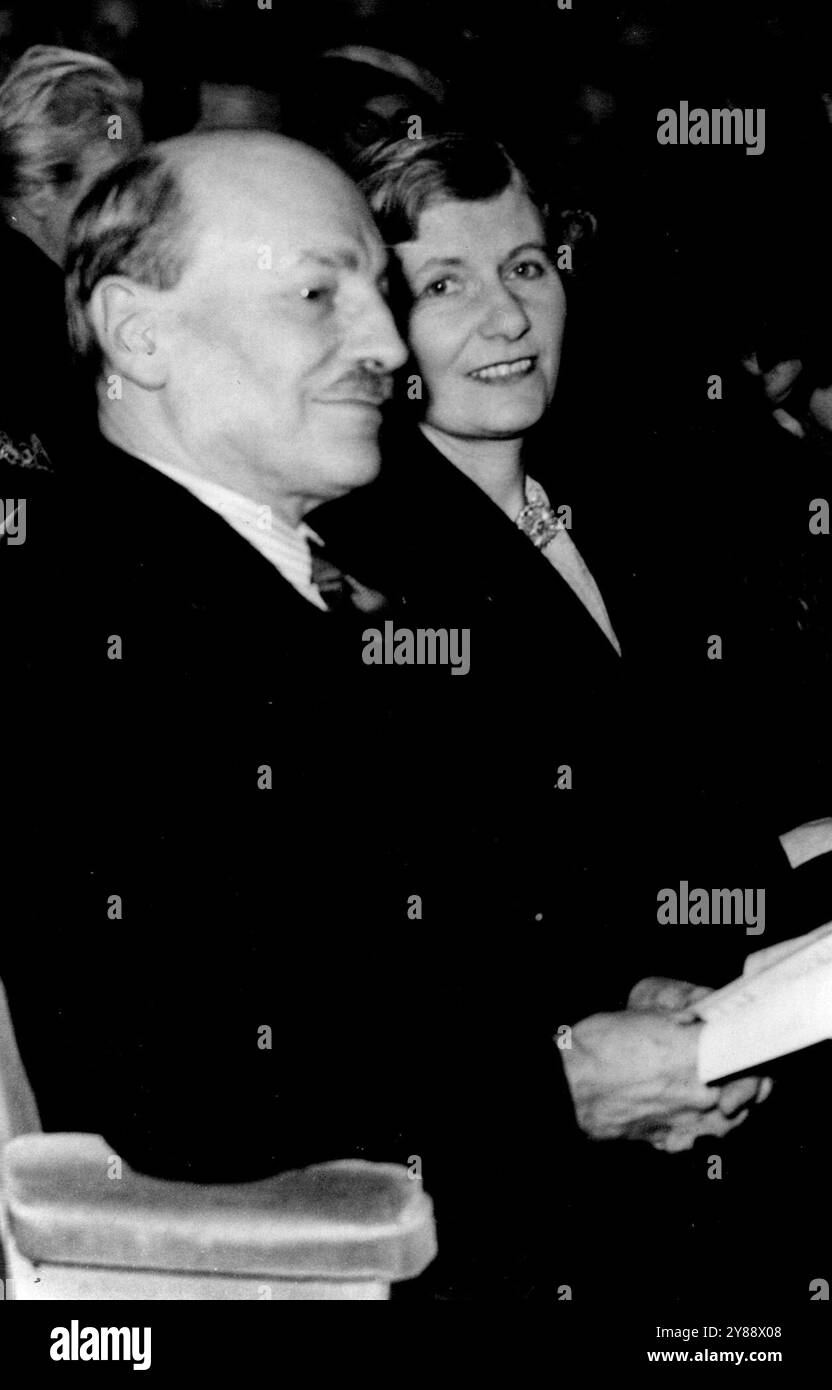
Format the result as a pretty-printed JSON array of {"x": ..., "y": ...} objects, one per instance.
[{"x": 504, "y": 371}]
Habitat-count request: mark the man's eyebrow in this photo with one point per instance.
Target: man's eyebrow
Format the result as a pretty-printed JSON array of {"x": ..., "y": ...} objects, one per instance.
[{"x": 332, "y": 260}]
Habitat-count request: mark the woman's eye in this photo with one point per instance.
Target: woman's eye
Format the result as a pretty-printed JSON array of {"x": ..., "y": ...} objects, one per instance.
[
  {"x": 529, "y": 270},
  {"x": 439, "y": 289}
]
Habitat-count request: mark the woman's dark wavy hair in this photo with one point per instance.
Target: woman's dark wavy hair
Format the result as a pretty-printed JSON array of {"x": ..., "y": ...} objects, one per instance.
[{"x": 401, "y": 178}]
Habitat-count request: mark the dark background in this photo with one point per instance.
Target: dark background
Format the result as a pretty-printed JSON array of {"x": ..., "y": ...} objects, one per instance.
[{"x": 701, "y": 253}]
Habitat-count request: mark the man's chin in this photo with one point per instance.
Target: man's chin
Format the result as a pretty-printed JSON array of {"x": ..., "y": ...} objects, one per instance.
[{"x": 352, "y": 468}]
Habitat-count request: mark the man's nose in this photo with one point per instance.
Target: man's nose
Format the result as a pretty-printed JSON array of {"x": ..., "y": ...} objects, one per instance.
[
  {"x": 504, "y": 315},
  {"x": 376, "y": 338}
]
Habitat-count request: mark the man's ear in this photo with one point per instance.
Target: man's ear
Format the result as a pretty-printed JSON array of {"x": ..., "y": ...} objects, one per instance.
[{"x": 127, "y": 324}]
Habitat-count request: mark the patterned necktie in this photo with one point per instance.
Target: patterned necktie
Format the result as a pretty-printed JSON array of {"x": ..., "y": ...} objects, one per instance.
[{"x": 340, "y": 591}]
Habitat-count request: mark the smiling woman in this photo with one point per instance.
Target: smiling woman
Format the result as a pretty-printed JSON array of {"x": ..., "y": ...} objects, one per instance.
[
  {"x": 488, "y": 312},
  {"x": 541, "y": 732},
  {"x": 483, "y": 309}
]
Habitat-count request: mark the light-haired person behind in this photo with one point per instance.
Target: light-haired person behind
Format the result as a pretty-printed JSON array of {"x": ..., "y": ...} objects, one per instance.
[{"x": 65, "y": 119}]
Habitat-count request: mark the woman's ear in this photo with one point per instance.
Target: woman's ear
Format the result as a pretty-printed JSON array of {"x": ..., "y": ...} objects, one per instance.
[{"x": 127, "y": 324}]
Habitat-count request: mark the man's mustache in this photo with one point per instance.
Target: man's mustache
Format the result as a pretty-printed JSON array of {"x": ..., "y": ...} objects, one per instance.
[{"x": 362, "y": 385}]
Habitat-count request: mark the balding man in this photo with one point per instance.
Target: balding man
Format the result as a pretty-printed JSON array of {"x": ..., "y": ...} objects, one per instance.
[
  {"x": 187, "y": 683},
  {"x": 223, "y": 966},
  {"x": 231, "y": 287}
]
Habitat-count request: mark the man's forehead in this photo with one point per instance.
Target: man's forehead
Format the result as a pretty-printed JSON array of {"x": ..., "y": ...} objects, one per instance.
[
  {"x": 295, "y": 206},
  {"x": 282, "y": 244}
]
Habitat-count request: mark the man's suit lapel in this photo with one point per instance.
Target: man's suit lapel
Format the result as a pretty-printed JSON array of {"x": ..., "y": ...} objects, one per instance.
[{"x": 168, "y": 536}]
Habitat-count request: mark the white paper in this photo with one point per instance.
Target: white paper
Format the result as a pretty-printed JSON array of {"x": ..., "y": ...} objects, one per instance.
[{"x": 783, "y": 1008}]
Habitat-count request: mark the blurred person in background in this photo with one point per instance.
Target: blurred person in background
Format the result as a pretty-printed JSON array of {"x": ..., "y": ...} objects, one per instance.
[
  {"x": 65, "y": 119},
  {"x": 348, "y": 98}
]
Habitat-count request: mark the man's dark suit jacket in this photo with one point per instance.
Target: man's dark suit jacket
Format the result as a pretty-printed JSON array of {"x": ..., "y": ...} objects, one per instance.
[{"x": 227, "y": 979}]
